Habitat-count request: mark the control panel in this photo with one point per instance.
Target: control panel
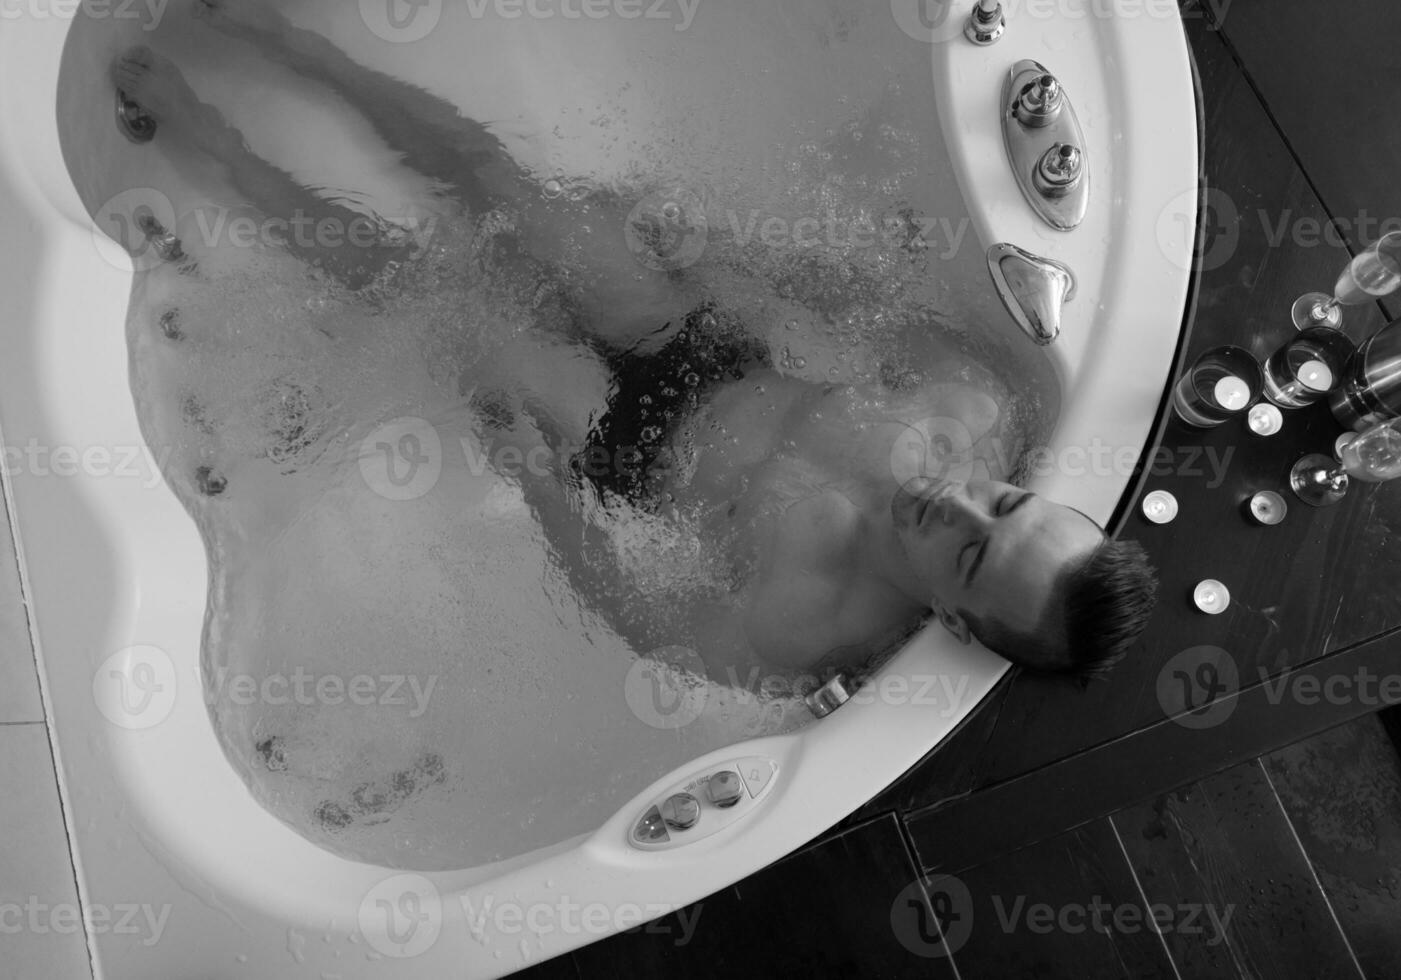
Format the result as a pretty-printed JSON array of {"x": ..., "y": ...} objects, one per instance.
[{"x": 704, "y": 803}]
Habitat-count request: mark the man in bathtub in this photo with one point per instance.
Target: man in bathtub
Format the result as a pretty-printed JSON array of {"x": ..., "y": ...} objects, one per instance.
[{"x": 705, "y": 498}]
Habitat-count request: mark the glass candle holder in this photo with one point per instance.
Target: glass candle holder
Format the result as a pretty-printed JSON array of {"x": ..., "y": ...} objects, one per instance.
[
  {"x": 1218, "y": 385},
  {"x": 1307, "y": 368}
]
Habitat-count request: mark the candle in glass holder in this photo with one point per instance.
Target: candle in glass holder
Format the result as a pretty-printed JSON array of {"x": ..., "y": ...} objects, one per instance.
[
  {"x": 1219, "y": 384},
  {"x": 1307, "y": 367}
]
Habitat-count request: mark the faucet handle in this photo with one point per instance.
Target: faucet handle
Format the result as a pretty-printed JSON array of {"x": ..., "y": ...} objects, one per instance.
[{"x": 1032, "y": 288}]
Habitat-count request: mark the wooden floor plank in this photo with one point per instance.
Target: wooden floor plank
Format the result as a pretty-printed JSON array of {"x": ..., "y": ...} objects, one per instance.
[
  {"x": 1342, "y": 790},
  {"x": 1225, "y": 846}
]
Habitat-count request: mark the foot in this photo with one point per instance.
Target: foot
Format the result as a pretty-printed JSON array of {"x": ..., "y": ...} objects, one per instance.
[{"x": 154, "y": 83}]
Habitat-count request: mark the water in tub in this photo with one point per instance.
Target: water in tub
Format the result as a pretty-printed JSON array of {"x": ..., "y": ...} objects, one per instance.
[{"x": 431, "y": 640}]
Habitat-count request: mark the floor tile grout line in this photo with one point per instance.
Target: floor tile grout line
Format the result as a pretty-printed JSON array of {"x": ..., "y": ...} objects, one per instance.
[
  {"x": 912, "y": 859},
  {"x": 1313, "y": 872},
  {"x": 1138, "y": 884},
  {"x": 7, "y": 499}
]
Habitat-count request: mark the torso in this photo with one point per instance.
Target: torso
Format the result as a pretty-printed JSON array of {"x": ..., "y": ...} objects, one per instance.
[{"x": 803, "y": 473}]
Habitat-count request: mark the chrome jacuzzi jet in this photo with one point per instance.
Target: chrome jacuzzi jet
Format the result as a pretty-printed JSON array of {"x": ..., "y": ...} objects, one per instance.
[
  {"x": 162, "y": 239},
  {"x": 135, "y": 123},
  {"x": 985, "y": 23},
  {"x": 831, "y": 696}
]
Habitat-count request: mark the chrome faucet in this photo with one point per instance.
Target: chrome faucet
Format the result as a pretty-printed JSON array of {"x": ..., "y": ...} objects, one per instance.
[
  {"x": 1032, "y": 288},
  {"x": 1045, "y": 145}
]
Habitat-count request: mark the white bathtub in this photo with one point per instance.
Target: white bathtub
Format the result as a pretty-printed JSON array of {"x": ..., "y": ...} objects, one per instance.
[{"x": 157, "y": 816}]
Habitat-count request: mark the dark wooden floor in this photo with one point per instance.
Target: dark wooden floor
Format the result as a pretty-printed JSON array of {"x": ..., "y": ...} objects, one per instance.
[{"x": 1110, "y": 832}]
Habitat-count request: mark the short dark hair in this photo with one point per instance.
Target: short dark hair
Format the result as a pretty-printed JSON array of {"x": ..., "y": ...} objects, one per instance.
[{"x": 1096, "y": 611}]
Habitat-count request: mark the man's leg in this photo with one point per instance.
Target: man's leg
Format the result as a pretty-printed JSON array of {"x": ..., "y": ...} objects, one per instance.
[
  {"x": 619, "y": 300},
  {"x": 188, "y": 124}
]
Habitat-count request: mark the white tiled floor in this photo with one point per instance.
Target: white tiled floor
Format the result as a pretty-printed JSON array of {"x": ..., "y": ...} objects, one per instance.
[{"x": 41, "y": 931}]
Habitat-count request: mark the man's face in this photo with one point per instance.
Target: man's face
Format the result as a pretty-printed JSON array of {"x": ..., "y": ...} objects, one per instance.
[{"x": 990, "y": 549}]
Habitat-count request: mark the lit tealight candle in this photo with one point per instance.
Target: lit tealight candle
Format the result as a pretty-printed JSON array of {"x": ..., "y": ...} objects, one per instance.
[
  {"x": 1211, "y": 596},
  {"x": 1268, "y": 508},
  {"x": 1265, "y": 419},
  {"x": 1315, "y": 376},
  {"x": 1231, "y": 393},
  {"x": 1160, "y": 507}
]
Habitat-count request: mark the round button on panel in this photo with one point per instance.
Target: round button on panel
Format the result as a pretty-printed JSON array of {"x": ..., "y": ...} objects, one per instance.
[
  {"x": 724, "y": 788},
  {"x": 681, "y": 811}
]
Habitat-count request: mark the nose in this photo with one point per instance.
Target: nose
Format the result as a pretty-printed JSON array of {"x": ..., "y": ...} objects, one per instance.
[{"x": 958, "y": 507}]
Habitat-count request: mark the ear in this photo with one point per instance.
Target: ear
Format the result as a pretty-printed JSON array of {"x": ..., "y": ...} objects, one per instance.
[{"x": 952, "y": 621}]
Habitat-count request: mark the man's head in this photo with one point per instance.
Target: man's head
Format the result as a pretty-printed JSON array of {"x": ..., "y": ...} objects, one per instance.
[{"x": 1035, "y": 581}]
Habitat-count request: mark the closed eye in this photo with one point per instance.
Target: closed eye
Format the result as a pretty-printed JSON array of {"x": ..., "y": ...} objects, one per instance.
[
  {"x": 1003, "y": 509},
  {"x": 963, "y": 553}
]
